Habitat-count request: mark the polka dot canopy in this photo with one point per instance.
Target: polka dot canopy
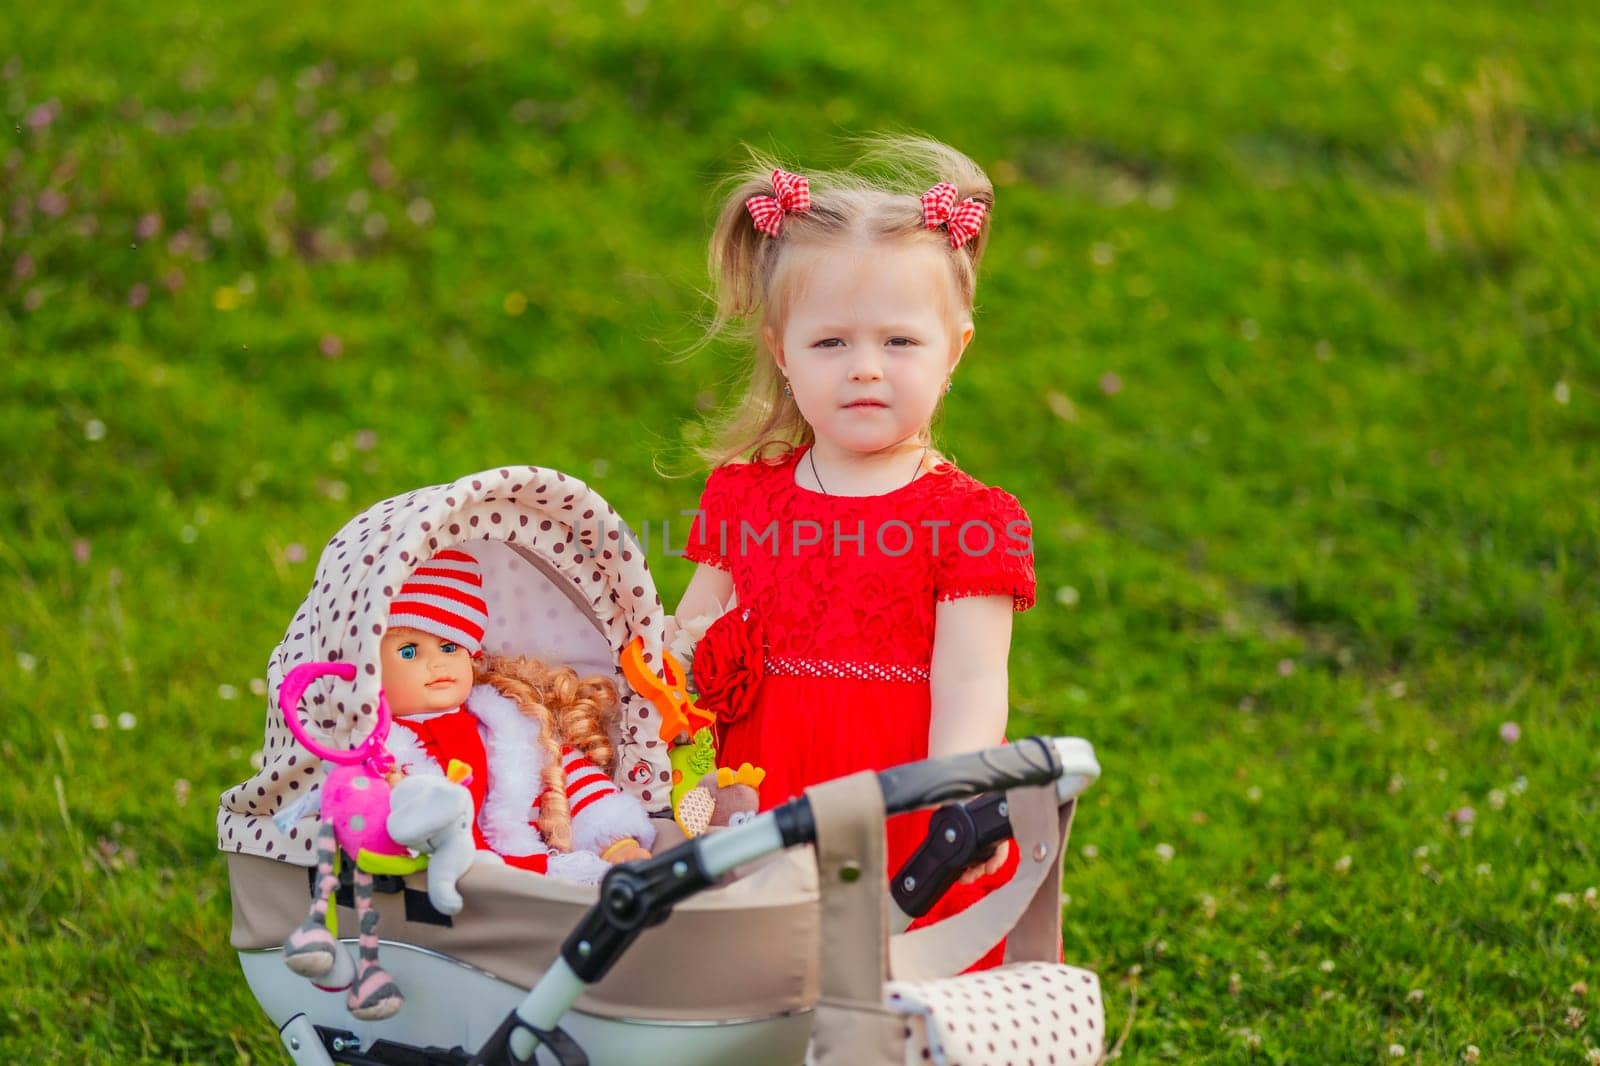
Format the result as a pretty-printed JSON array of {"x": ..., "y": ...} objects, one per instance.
[{"x": 562, "y": 579}]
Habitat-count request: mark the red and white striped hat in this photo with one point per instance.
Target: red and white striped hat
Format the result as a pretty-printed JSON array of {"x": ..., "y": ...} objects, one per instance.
[{"x": 444, "y": 596}]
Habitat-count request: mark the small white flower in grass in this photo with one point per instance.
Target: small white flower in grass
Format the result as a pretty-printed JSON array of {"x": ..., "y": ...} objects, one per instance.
[
  {"x": 1396, "y": 784},
  {"x": 1326, "y": 965},
  {"x": 1483, "y": 869},
  {"x": 1591, "y": 898},
  {"x": 1397, "y": 690},
  {"x": 1497, "y": 799},
  {"x": 1414, "y": 996},
  {"x": 1566, "y": 899},
  {"x": 1275, "y": 882},
  {"x": 1165, "y": 852},
  {"x": 180, "y": 791},
  {"x": 294, "y": 553},
  {"x": 1110, "y": 383},
  {"x": 227, "y": 692},
  {"x": 1397, "y": 1051},
  {"x": 94, "y": 429},
  {"x": 258, "y": 686},
  {"x": 1574, "y": 1018},
  {"x": 1420, "y": 853},
  {"x": 188, "y": 534},
  {"x": 26, "y": 663},
  {"x": 126, "y": 721},
  {"x": 1471, "y": 1054},
  {"x": 1520, "y": 785},
  {"x": 1562, "y": 393},
  {"x": 1235, "y": 984},
  {"x": 1510, "y": 732},
  {"x": 1208, "y": 904},
  {"x": 1067, "y": 596},
  {"x": 1579, "y": 989},
  {"x": 99, "y": 721},
  {"x": 1253, "y": 793},
  {"x": 1594, "y": 1056},
  {"x": 1089, "y": 851},
  {"x": 1285, "y": 667},
  {"x": 1342, "y": 864},
  {"x": 1463, "y": 815},
  {"x": 1251, "y": 1038}
]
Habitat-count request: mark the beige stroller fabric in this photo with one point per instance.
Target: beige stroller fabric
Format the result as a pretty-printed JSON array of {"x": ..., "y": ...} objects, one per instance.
[{"x": 563, "y": 581}]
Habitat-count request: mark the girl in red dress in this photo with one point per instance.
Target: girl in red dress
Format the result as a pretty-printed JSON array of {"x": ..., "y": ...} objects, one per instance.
[{"x": 873, "y": 581}]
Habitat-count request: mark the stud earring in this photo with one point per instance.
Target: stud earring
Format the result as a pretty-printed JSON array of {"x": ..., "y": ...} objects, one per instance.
[
  {"x": 948, "y": 384},
  {"x": 787, "y": 391}
]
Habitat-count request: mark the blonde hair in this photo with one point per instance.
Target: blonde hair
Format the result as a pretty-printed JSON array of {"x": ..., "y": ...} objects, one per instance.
[
  {"x": 753, "y": 274},
  {"x": 569, "y": 710}
]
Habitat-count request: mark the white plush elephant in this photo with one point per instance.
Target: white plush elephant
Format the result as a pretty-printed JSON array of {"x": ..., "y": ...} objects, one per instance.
[{"x": 433, "y": 815}]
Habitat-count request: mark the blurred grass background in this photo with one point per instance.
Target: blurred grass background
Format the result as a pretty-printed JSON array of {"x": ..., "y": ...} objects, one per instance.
[{"x": 1288, "y": 341}]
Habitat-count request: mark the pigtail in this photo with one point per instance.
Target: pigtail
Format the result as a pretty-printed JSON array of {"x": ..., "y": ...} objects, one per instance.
[
  {"x": 914, "y": 164},
  {"x": 742, "y": 261}
]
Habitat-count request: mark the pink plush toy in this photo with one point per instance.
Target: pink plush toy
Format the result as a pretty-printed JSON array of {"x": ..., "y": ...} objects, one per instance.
[{"x": 356, "y": 804}]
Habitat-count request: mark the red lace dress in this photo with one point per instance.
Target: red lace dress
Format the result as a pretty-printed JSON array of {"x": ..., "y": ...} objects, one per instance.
[{"x": 836, "y": 596}]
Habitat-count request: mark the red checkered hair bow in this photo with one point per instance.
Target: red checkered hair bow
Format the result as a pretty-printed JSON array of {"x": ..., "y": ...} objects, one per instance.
[
  {"x": 963, "y": 220},
  {"x": 794, "y": 198}
]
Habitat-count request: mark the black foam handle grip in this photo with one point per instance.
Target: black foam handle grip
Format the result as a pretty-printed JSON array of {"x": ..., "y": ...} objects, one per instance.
[{"x": 931, "y": 782}]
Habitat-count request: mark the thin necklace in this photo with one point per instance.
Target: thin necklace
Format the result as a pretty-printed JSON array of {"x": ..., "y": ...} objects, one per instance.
[{"x": 811, "y": 454}]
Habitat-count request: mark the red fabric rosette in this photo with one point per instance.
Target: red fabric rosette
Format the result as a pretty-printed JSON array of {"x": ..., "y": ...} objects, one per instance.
[{"x": 729, "y": 663}]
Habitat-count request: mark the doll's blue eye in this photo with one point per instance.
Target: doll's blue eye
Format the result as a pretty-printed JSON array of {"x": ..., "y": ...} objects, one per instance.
[
  {"x": 408, "y": 651},
  {"x": 449, "y": 647}
]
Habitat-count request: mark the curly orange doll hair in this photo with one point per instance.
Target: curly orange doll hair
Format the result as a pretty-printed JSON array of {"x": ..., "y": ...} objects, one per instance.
[{"x": 568, "y": 709}]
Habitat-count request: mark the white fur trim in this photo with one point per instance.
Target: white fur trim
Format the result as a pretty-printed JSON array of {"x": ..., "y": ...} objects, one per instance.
[
  {"x": 584, "y": 867},
  {"x": 515, "y": 760},
  {"x": 609, "y": 819},
  {"x": 408, "y": 752}
]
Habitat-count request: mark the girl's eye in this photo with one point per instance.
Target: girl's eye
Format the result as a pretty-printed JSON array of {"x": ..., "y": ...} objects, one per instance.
[
  {"x": 830, "y": 342},
  {"x": 449, "y": 647},
  {"x": 408, "y": 651},
  {"x": 901, "y": 342}
]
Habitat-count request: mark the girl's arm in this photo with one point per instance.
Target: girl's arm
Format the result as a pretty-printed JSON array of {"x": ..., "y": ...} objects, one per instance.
[
  {"x": 709, "y": 589},
  {"x": 971, "y": 643}
]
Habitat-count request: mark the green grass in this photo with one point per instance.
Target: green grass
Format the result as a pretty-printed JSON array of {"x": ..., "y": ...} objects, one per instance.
[{"x": 1289, "y": 341}]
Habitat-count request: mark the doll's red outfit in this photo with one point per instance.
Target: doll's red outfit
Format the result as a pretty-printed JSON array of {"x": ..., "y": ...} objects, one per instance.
[
  {"x": 822, "y": 668},
  {"x": 501, "y": 746}
]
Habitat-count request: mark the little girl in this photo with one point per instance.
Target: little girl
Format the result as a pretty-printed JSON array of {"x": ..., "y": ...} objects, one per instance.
[{"x": 874, "y": 581}]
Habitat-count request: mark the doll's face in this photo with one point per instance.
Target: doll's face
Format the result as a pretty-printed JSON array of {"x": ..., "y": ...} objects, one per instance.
[{"x": 422, "y": 673}]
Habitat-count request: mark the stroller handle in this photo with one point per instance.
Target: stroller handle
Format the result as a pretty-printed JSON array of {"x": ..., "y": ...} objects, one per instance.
[{"x": 637, "y": 895}]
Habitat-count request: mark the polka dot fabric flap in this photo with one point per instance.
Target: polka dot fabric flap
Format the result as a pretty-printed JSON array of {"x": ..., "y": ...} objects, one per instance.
[
  {"x": 562, "y": 581},
  {"x": 1028, "y": 1014}
]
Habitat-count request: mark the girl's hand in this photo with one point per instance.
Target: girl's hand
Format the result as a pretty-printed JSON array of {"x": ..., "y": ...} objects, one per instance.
[{"x": 984, "y": 869}]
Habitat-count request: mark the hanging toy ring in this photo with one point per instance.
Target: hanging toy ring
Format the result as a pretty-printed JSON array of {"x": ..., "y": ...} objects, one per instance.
[{"x": 294, "y": 686}]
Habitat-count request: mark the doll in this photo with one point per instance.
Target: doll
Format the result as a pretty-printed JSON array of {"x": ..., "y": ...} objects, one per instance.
[{"x": 536, "y": 734}]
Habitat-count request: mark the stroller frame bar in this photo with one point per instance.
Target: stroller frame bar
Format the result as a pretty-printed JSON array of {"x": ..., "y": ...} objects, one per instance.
[{"x": 637, "y": 895}]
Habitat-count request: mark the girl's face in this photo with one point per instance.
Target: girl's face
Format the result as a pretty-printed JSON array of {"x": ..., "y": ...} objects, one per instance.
[
  {"x": 871, "y": 335},
  {"x": 422, "y": 673}
]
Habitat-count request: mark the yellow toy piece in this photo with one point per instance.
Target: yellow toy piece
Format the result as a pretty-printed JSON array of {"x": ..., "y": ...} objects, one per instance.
[{"x": 744, "y": 775}]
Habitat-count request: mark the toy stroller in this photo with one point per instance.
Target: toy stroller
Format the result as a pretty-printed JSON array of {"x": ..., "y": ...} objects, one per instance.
[{"x": 733, "y": 977}]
